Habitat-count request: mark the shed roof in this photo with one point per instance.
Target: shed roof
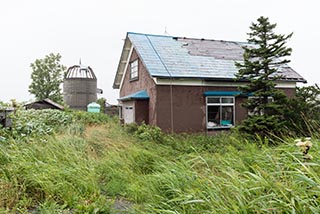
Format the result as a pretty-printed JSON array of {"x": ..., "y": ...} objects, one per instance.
[
  {"x": 180, "y": 57},
  {"x": 140, "y": 95}
]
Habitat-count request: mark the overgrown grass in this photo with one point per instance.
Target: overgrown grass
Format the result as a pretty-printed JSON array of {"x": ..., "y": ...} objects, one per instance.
[{"x": 94, "y": 165}]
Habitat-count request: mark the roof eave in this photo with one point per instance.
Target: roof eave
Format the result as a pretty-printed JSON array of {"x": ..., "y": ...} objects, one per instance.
[
  {"x": 226, "y": 79},
  {"x": 122, "y": 63}
]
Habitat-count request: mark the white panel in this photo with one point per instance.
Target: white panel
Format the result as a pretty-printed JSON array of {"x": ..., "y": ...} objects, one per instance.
[{"x": 128, "y": 112}]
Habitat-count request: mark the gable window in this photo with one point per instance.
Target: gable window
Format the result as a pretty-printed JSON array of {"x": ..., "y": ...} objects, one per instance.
[
  {"x": 134, "y": 70},
  {"x": 220, "y": 112}
]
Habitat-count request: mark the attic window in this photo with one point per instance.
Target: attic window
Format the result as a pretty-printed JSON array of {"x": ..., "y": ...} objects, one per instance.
[{"x": 134, "y": 70}]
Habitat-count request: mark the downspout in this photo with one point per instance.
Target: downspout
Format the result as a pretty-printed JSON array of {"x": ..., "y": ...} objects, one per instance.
[{"x": 171, "y": 88}]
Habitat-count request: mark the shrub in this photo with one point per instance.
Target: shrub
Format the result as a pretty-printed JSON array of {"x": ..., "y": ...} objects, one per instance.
[
  {"x": 34, "y": 123},
  {"x": 149, "y": 133},
  {"x": 131, "y": 128},
  {"x": 303, "y": 111},
  {"x": 89, "y": 117}
]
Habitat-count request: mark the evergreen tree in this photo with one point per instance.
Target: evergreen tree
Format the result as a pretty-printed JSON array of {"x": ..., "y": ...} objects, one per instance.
[
  {"x": 262, "y": 60},
  {"x": 47, "y": 77}
]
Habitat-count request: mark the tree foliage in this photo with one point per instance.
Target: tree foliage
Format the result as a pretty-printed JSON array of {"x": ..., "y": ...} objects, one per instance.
[
  {"x": 262, "y": 58},
  {"x": 46, "y": 78},
  {"x": 102, "y": 102},
  {"x": 303, "y": 111}
]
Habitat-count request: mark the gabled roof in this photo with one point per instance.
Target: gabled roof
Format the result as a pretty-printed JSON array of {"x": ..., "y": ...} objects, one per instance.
[
  {"x": 180, "y": 57},
  {"x": 46, "y": 101}
]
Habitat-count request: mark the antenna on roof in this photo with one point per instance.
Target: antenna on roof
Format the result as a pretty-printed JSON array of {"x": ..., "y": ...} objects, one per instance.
[
  {"x": 166, "y": 32},
  {"x": 80, "y": 61}
]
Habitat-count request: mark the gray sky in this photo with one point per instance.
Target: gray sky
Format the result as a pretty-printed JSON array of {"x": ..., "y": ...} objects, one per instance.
[{"x": 94, "y": 30}]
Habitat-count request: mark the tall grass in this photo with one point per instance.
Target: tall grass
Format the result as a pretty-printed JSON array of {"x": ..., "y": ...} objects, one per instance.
[
  {"x": 59, "y": 171},
  {"x": 101, "y": 168}
]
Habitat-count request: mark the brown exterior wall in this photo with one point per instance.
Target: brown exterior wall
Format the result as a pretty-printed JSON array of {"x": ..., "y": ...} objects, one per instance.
[
  {"x": 290, "y": 92},
  {"x": 142, "y": 111},
  {"x": 144, "y": 82},
  {"x": 189, "y": 107}
]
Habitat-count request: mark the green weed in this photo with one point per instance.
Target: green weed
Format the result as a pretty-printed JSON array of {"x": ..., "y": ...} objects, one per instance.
[{"x": 99, "y": 167}]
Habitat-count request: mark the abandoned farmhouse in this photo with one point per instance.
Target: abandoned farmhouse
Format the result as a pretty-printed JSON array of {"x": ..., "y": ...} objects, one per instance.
[{"x": 184, "y": 85}]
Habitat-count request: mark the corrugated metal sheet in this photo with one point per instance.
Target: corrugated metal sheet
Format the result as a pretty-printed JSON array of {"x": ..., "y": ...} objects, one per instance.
[
  {"x": 166, "y": 56},
  {"x": 140, "y": 95}
]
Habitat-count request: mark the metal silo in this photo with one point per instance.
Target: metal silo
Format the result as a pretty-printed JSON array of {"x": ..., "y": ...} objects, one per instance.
[{"x": 79, "y": 87}]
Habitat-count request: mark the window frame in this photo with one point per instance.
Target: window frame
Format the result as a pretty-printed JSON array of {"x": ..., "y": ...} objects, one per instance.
[
  {"x": 220, "y": 105},
  {"x": 134, "y": 69}
]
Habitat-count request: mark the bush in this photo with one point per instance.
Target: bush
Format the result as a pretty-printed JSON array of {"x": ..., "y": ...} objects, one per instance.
[
  {"x": 34, "y": 123},
  {"x": 303, "y": 111},
  {"x": 89, "y": 117},
  {"x": 149, "y": 133},
  {"x": 131, "y": 128}
]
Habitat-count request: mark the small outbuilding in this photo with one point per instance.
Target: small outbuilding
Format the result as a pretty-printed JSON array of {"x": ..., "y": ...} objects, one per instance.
[
  {"x": 93, "y": 107},
  {"x": 44, "y": 104}
]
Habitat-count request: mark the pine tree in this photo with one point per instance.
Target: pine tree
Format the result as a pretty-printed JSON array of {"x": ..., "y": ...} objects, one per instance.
[
  {"x": 47, "y": 77},
  {"x": 262, "y": 60}
]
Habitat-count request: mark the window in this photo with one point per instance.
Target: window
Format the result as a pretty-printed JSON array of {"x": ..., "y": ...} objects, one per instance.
[
  {"x": 220, "y": 112},
  {"x": 134, "y": 69}
]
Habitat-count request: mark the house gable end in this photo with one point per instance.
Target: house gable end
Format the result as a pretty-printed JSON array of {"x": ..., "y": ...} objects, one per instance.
[{"x": 143, "y": 82}]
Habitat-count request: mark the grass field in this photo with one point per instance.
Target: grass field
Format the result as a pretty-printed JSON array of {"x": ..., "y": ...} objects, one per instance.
[{"x": 93, "y": 165}]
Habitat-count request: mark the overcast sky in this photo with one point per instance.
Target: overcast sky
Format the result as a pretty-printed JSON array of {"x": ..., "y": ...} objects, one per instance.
[{"x": 93, "y": 30}]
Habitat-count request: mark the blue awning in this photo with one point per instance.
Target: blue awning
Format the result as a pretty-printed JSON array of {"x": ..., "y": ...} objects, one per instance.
[
  {"x": 224, "y": 93},
  {"x": 221, "y": 93},
  {"x": 140, "y": 95}
]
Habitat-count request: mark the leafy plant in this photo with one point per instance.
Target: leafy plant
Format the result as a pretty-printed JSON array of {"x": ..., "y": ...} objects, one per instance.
[
  {"x": 89, "y": 118},
  {"x": 102, "y": 102},
  {"x": 303, "y": 111},
  {"x": 34, "y": 123},
  {"x": 149, "y": 133}
]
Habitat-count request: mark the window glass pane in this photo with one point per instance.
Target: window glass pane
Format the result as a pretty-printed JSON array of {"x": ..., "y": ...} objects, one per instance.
[
  {"x": 134, "y": 63},
  {"x": 227, "y": 100},
  {"x": 227, "y": 116},
  {"x": 213, "y": 99},
  {"x": 213, "y": 116},
  {"x": 134, "y": 69},
  {"x": 134, "y": 74}
]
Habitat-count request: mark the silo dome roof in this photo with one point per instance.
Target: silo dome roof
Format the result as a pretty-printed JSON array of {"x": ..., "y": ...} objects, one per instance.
[{"x": 80, "y": 71}]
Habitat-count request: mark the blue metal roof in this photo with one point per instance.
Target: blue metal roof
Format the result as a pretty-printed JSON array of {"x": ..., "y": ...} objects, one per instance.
[
  {"x": 167, "y": 56},
  {"x": 140, "y": 95}
]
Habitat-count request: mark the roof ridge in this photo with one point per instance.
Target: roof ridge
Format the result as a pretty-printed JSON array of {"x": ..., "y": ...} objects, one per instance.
[
  {"x": 218, "y": 40},
  {"x": 183, "y": 37},
  {"x": 146, "y": 34}
]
